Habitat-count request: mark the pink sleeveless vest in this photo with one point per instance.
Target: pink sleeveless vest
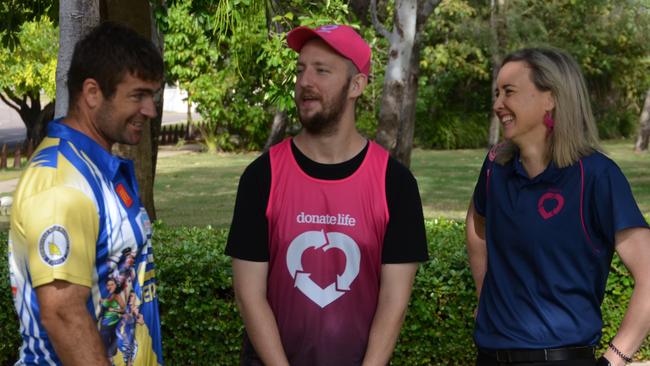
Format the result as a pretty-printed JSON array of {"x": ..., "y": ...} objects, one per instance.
[{"x": 325, "y": 244}]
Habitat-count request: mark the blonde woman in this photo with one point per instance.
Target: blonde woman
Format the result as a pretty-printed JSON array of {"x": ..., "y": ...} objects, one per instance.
[{"x": 548, "y": 212}]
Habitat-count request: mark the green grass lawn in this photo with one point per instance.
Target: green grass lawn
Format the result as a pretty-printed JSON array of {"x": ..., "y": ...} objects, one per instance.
[
  {"x": 200, "y": 189},
  {"x": 10, "y": 173},
  {"x": 446, "y": 179}
]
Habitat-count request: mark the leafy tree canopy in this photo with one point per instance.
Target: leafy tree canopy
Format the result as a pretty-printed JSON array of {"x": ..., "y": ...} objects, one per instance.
[
  {"x": 31, "y": 66},
  {"x": 13, "y": 13}
]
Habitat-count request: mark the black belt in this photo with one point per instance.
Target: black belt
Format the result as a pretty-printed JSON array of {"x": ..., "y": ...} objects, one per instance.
[{"x": 537, "y": 355}]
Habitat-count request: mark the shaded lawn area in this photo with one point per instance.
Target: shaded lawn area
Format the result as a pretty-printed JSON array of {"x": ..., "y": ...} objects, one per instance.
[{"x": 200, "y": 189}]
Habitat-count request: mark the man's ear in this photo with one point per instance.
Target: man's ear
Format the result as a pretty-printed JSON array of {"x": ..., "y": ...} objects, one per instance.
[
  {"x": 357, "y": 85},
  {"x": 91, "y": 93}
]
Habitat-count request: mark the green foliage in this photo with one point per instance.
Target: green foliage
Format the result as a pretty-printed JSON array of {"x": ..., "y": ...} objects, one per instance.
[
  {"x": 279, "y": 65},
  {"x": 454, "y": 86},
  {"x": 201, "y": 324},
  {"x": 616, "y": 124},
  {"x": 610, "y": 40},
  {"x": 242, "y": 44},
  {"x": 454, "y": 95},
  {"x": 235, "y": 66},
  {"x": 31, "y": 65},
  {"x": 9, "y": 335},
  {"x": 439, "y": 323},
  {"x": 188, "y": 53},
  {"x": 200, "y": 321},
  {"x": 451, "y": 130},
  {"x": 208, "y": 50},
  {"x": 13, "y": 13}
]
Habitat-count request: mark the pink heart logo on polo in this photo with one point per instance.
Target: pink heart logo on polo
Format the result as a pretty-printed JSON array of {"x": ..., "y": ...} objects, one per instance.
[{"x": 546, "y": 197}]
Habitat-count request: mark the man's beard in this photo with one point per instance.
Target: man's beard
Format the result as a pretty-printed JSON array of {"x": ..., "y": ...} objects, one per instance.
[{"x": 326, "y": 121}]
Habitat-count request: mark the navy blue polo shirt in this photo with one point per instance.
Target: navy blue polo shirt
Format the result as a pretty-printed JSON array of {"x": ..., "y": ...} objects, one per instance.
[{"x": 550, "y": 242}]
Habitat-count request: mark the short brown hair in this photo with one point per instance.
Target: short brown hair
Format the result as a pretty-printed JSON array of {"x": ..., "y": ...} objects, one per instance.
[{"x": 107, "y": 53}]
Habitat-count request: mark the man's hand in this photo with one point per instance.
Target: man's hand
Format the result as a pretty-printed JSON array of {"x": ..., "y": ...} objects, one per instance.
[
  {"x": 394, "y": 293},
  {"x": 70, "y": 327},
  {"x": 249, "y": 282}
]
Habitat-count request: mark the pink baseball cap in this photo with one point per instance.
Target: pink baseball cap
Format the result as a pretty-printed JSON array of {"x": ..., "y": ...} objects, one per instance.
[{"x": 342, "y": 38}]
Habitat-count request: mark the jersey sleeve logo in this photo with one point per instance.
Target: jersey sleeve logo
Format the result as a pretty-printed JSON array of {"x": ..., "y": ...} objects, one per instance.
[
  {"x": 54, "y": 245},
  {"x": 124, "y": 195},
  {"x": 319, "y": 240}
]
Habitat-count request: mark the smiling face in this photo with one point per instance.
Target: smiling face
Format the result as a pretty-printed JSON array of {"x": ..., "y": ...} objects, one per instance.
[
  {"x": 123, "y": 117},
  {"x": 322, "y": 86},
  {"x": 520, "y": 106},
  {"x": 111, "y": 286}
]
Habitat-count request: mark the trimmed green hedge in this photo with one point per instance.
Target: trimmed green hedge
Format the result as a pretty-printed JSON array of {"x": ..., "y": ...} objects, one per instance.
[
  {"x": 201, "y": 325},
  {"x": 9, "y": 337}
]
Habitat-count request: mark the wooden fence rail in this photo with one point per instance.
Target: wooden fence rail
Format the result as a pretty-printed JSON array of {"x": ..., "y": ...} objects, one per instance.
[
  {"x": 25, "y": 149},
  {"x": 171, "y": 134}
]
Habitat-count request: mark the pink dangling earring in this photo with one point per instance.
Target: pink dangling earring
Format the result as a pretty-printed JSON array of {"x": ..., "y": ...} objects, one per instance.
[{"x": 549, "y": 121}]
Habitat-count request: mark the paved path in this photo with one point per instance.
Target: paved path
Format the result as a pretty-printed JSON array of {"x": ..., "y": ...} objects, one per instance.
[{"x": 8, "y": 186}]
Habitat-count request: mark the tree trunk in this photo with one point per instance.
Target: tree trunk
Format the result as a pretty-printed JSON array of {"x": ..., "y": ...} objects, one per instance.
[
  {"x": 29, "y": 109},
  {"x": 278, "y": 129},
  {"x": 280, "y": 118},
  {"x": 397, "y": 114},
  {"x": 401, "y": 41},
  {"x": 498, "y": 33},
  {"x": 407, "y": 127},
  {"x": 76, "y": 19},
  {"x": 644, "y": 126},
  {"x": 138, "y": 15},
  {"x": 191, "y": 129}
]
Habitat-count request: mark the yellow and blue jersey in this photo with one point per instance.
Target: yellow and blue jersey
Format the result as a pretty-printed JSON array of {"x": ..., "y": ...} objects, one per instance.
[{"x": 77, "y": 218}]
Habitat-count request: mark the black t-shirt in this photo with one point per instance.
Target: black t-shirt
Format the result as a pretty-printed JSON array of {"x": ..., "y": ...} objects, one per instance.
[{"x": 405, "y": 238}]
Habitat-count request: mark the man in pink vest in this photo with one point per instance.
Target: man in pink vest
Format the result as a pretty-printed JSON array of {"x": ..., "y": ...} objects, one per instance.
[{"x": 328, "y": 228}]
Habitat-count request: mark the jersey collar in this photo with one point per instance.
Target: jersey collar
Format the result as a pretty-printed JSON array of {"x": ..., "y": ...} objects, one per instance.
[{"x": 105, "y": 161}]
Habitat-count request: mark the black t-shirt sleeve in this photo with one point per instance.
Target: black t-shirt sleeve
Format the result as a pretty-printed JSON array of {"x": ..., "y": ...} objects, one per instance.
[
  {"x": 248, "y": 237},
  {"x": 405, "y": 240}
]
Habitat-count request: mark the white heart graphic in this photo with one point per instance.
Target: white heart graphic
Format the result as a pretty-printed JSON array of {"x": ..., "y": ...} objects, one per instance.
[{"x": 317, "y": 239}]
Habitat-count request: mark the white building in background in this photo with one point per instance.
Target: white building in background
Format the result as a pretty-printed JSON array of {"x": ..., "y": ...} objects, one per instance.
[{"x": 175, "y": 100}]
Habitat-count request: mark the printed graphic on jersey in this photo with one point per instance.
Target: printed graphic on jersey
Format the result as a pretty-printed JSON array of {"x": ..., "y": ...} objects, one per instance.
[
  {"x": 121, "y": 308},
  {"x": 146, "y": 222},
  {"x": 320, "y": 240},
  {"x": 54, "y": 245},
  {"x": 550, "y": 204}
]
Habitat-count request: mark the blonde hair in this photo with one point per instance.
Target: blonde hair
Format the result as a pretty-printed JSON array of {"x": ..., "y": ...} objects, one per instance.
[{"x": 575, "y": 134}]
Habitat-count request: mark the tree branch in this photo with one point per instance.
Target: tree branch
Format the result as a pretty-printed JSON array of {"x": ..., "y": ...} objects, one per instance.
[
  {"x": 375, "y": 21},
  {"x": 428, "y": 7},
  {"x": 12, "y": 98},
  {"x": 8, "y": 103},
  {"x": 424, "y": 12}
]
